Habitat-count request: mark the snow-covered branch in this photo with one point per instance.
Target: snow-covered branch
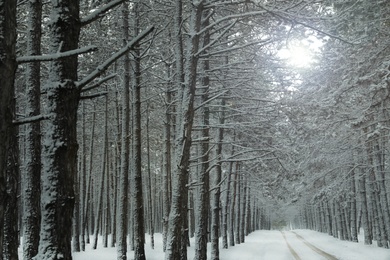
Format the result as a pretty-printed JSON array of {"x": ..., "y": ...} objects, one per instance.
[
  {"x": 94, "y": 95},
  {"x": 97, "y": 84},
  {"x": 100, "y": 69},
  {"x": 285, "y": 16},
  {"x": 99, "y": 12},
  {"x": 262, "y": 42},
  {"x": 230, "y": 17},
  {"x": 216, "y": 39},
  {"x": 32, "y": 119},
  {"x": 55, "y": 56},
  {"x": 211, "y": 99}
]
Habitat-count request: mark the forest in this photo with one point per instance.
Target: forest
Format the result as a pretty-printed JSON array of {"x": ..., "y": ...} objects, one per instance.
[{"x": 204, "y": 119}]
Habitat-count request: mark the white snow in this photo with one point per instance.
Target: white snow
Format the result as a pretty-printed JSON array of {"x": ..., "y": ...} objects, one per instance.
[{"x": 261, "y": 245}]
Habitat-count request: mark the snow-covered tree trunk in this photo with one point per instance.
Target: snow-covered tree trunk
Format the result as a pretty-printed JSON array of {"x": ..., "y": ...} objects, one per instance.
[
  {"x": 216, "y": 208},
  {"x": 184, "y": 122},
  {"x": 232, "y": 207},
  {"x": 328, "y": 218},
  {"x": 150, "y": 184},
  {"x": 353, "y": 219},
  {"x": 202, "y": 210},
  {"x": 166, "y": 164},
  {"x": 138, "y": 210},
  {"x": 60, "y": 139},
  {"x": 379, "y": 161},
  {"x": 83, "y": 180},
  {"x": 376, "y": 206},
  {"x": 243, "y": 208},
  {"x": 364, "y": 209},
  {"x": 122, "y": 225},
  {"x": 238, "y": 203},
  {"x": 7, "y": 112},
  {"x": 31, "y": 177},
  {"x": 100, "y": 189}
]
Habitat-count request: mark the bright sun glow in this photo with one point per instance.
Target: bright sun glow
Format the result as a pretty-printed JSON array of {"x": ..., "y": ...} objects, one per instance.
[{"x": 300, "y": 54}]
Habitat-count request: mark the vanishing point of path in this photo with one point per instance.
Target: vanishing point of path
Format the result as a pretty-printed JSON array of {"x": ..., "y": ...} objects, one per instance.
[{"x": 302, "y": 247}]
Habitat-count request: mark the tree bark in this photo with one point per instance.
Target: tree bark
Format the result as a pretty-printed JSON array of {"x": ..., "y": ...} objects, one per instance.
[
  {"x": 11, "y": 235},
  {"x": 31, "y": 177},
  {"x": 7, "y": 71},
  {"x": 60, "y": 140},
  {"x": 139, "y": 227},
  {"x": 201, "y": 233},
  {"x": 185, "y": 117},
  {"x": 124, "y": 174}
]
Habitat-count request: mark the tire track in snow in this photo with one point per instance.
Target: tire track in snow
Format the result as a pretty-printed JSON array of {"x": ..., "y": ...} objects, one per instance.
[
  {"x": 314, "y": 248},
  {"x": 292, "y": 251}
]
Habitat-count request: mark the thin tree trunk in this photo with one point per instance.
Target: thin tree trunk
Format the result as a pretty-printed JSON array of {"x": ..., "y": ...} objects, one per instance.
[
  {"x": 203, "y": 204},
  {"x": 354, "y": 230},
  {"x": 166, "y": 166},
  {"x": 243, "y": 209},
  {"x": 232, "y": 208},
  {"x": 83, "y": 190},
  {"x": 150, "y": 188},
  {"x": 100, "y": 191},
  {"x": 138, "y": 211},
  {"x": 124, "y": 174},
  {"x": 238, "y": 211}
]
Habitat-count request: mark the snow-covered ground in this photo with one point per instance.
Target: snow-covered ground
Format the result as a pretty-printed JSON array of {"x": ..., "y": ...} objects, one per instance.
[{"x": 264, "y": 245}]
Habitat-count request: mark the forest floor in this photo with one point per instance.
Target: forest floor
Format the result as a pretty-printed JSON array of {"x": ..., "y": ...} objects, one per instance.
[{"x": 266, "y": 245}]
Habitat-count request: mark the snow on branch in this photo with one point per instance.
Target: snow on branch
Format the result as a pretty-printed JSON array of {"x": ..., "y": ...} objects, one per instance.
[
  {"x": 97, "y": 84},
  {"x": 286, "y": 16},
  {"x": 230, "y": 17},
  {"x": 100, "y": 69},
  {"x": 262, "y": 42},
  {"x": 211, "y": 99},
  {"x": 94, "y": 95},
  {"x": 216, "y": 39},
  {"x": 99, "y": 12},
  {"x": 32, "y": 119},
  {"x": 55, "y": 56}
]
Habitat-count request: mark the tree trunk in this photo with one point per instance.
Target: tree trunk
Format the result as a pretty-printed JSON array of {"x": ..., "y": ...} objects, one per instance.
[
  {"x": 354, "y": 230},
  {"x": 166, "y": 165},
  {"x": 150, "y": 184},
  {"x": 139, "y": 229},
  {"x": 232, "y": 208},
  {"x": 31, "y": 177},
  {"x": 185, "y": 117},
  {"x": 124, "y": 174},
  {"x": 11, "y": 235},
  {"x": 60, "y": 140},
  {"x": 7, "y": 71},
  {"x": 201, "y": 233},
  {"x": 238, "y": 211}
]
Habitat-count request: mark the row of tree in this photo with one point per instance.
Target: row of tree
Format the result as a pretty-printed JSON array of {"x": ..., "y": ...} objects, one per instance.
[{"x": 348, "y": 134}]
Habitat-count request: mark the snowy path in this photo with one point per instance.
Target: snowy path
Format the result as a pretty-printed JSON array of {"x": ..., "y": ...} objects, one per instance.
[
  {"x": 305, "y": 249},
  {"x": 265, "y": 245}
]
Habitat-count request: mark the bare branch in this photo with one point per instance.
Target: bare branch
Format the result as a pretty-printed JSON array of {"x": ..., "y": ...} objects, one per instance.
[
  {"x": 99, "y": 12},
  {"x": 55, "y": 56},
  {"x": 94, "y": 95},
  {"x": 97, "y": 84},
  {"x": 32, "y": 119},
  {"x": 103, "y": 67},
  {"x": 262, "y": 42}
]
